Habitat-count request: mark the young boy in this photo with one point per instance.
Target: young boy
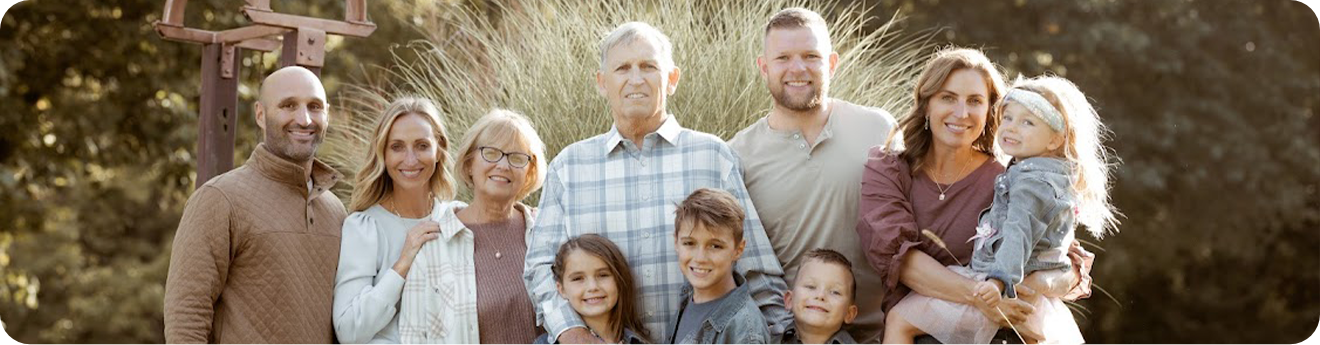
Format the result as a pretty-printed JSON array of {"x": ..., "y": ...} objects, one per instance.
[
  {"x": 716, "y": 306},
  {"x": 821, "y": 300}
]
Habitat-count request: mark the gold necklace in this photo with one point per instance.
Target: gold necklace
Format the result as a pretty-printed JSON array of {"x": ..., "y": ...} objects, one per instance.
[
  {"x": 945, "y": 189},
  {"x": 430, "y": 206}
]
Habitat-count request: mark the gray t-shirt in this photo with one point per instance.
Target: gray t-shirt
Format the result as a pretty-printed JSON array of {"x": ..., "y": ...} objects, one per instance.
[{"x": 689, "y": 321}]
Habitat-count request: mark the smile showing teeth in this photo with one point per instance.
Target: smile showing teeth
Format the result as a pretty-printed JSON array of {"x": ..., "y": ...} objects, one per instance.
[
  {"x": 956, "y": 128},
  {"x": 798, "y": 83},
  {"x": 302, "y": 134},
  {"x": 594, "y": 300},
  {"x": 634, "y": 96},
  {"x": 500, "y": 179},
  {"x": 410, "y": 173},
  {"x": 1010, "y": 141}
]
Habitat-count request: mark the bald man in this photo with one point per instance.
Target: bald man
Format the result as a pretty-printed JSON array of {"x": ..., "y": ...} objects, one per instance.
[{"x": 255, "y": 255}]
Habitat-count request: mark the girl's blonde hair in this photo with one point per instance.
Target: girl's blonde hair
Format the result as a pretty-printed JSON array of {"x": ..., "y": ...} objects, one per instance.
[
  {"x": 500, "y": 127},
  {"x": 1083, "y": 137},
  {"x": 372, "y": 183}
]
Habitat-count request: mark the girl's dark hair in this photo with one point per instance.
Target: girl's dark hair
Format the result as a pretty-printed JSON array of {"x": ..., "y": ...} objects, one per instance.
[{"x": 624, "y": 314}]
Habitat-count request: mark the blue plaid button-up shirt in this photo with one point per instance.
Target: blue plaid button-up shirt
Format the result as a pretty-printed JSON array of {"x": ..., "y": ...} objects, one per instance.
[{"x": 608, "y": 186}]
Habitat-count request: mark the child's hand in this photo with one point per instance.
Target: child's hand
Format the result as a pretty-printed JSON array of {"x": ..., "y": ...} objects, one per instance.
[{"x": 988, "y": 292}]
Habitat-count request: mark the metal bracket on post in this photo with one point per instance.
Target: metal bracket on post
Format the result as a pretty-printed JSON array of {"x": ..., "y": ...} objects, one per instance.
[
  {"x": 227, "y": 64},
  {"x": 304, "y": 47}
]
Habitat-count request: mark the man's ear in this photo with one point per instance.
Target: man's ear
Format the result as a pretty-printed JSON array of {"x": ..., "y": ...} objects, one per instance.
[
  {"x": 600, "y": 83},
  {"x": 834, "y": 62},
  {"x": 673, "y": 76},
  {"x": 763, "y": 67},
  {"x": 260, "y": 112}
]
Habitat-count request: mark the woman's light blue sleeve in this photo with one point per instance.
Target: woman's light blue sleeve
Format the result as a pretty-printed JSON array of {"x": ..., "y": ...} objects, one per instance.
[{"x": 363, "y": 306}]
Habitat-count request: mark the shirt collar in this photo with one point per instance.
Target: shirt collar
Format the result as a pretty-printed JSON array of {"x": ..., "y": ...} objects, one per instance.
[
  {"x": 791, "y": 336},
  {"x": 629, "y": 337},
  {"x": 669, "y": 131},
  {"x": 723, "y": 313},
  {"x": 286, "y": 172},
  {"x": 450, "y": 226}
]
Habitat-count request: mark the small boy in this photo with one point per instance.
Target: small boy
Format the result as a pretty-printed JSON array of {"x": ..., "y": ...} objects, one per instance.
[
  {"x": 821, "y": 300},
  {"x": 716, "y": 306}
]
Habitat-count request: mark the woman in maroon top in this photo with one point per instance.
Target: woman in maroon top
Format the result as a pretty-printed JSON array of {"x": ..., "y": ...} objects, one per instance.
[{"x": 938, "y": 187}]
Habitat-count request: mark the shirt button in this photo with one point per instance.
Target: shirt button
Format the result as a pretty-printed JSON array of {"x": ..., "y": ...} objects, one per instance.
[
  {"x": 795, "y": 136},
  {"x": 646, "y": 235},
  {"x": 802, "y": 146}
]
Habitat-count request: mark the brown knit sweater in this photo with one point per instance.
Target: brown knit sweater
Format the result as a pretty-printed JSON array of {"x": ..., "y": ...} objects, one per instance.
[
  {"x": 255, "y": 255},
  {"x": 505, "y": 314}
]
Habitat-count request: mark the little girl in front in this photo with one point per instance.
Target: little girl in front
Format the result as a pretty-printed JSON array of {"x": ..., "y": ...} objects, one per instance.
[
  {"x": 593, "y": 275},
  {"x": 1059, "y": 177}
]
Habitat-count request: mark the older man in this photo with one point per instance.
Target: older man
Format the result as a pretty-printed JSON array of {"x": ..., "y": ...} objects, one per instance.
[
  {"x": 255, "y": 255},
  {"x": 803, "y": 161},
  {"x": 624, "y": 185}
]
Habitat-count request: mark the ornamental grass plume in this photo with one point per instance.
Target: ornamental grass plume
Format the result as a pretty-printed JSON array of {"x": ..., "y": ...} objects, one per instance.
[{"x": 539, "y": 59}]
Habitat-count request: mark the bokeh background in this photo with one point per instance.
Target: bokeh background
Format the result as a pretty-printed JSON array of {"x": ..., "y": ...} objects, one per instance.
[{"x": 1213, "y": 105}]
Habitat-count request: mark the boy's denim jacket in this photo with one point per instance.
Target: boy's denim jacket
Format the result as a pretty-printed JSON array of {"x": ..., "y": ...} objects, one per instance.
[
  {"x": 790, "y": 336},
  {"x": 1029, "y": 226},
  {"x": 737, "y": 320}
]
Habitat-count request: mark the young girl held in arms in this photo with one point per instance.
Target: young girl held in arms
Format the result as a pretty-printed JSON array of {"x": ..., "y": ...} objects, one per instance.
[
  {"x": 1059, "y": 177},
  {"x": 593, "y": 275}
]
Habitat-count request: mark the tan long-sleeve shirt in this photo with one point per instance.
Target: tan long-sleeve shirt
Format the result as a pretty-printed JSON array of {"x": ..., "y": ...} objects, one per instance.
[{"x": 254, "y": 257}]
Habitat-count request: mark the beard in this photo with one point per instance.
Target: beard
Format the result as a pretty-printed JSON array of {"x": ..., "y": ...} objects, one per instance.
[
  {"x": 279, "y": 143},
  {"x": 810, "y": 101}
]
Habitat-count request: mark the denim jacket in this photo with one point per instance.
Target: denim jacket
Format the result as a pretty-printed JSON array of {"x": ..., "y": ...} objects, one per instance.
[
  {"x": 791, "y": 336},
  {"x": 1029, "y": 225},
  {"x": 737, "y": 320}
]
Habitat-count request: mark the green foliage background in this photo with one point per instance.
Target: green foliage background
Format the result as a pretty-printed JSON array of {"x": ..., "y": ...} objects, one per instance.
[{"x": 1213, "y": 105}]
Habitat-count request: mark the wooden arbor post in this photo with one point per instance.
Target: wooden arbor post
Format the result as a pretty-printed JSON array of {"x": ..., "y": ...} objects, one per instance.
[{"x": 303, "y": 44}]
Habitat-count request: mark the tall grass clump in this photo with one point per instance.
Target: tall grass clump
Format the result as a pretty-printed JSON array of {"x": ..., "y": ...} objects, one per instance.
[{"x": 539, "y": 58}]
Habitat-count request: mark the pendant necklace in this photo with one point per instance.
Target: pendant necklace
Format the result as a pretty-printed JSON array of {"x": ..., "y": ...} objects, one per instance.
[{"x": 950, "y": 186}]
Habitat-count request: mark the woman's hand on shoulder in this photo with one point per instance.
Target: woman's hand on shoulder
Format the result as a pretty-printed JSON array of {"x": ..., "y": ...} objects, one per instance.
[{"x": 421, "y": 233}]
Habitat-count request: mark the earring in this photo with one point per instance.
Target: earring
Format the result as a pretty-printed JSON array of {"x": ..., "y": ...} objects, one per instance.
[{"x": 927, "y": 123}]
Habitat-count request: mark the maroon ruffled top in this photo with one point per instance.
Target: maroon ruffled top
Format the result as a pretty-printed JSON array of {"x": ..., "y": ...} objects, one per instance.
[{"x": 895, "y": 206}]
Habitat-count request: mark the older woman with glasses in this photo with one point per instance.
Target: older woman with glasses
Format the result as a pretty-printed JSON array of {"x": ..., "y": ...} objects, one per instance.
[{"x": 469, "y": 285}]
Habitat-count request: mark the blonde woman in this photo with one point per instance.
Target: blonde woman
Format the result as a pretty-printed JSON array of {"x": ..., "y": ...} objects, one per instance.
[
  {"x": 474, "y": 272},
  {"x": 402, "y": 184}
]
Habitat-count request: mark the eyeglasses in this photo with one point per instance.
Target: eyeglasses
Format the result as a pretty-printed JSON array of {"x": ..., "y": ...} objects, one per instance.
[{"x": 516, "y": 159}]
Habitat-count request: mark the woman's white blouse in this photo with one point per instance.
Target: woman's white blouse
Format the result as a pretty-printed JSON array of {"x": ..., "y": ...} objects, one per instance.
[{"x": 367, "y": 289}]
